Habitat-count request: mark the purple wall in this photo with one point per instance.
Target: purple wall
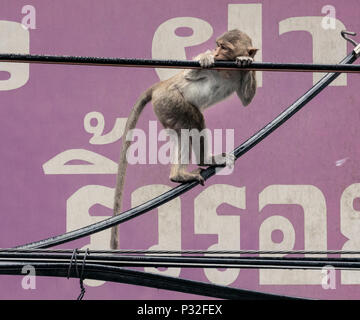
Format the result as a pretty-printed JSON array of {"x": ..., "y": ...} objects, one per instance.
[{"x": 307, "y": 171}]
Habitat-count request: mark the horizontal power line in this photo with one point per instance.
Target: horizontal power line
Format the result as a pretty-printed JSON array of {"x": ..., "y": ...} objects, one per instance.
[
  {"x": 186, "y": 251},
  {"x": 186, "y": 261},
  {"x": 176, "y": 64}
]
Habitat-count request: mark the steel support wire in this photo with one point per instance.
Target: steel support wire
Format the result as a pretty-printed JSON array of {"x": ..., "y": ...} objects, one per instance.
[
  {"x": 189, "y": 261},
  {"x": 207, "y": 173},
  {"x": 117, "y": 274},
  {"x": 243, "y": 253}
]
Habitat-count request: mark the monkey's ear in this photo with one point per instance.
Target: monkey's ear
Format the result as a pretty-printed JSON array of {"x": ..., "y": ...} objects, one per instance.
[{"x": 252, "y": 51}]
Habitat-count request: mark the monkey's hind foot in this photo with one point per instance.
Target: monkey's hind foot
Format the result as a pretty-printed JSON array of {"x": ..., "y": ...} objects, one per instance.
[{"x": 194, "y": 175}]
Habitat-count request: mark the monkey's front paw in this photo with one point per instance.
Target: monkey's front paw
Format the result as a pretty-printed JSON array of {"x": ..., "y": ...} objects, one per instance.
[
  {"x": 206, "y": 60},
  {"x": 244, "y": 61}
]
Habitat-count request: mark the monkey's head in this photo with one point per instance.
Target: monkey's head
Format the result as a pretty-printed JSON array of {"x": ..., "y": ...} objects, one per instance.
[{"x": 232, "y": 44}]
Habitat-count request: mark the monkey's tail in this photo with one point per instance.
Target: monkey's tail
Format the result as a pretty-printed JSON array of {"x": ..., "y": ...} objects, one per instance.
[{"x": 126, "y": 142}]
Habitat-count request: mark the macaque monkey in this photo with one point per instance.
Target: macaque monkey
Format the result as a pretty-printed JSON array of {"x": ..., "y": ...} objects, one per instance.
[{"x": 179, "y": 102}]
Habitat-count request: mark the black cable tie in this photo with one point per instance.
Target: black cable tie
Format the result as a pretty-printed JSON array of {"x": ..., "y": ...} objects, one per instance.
[{"x": 82, "y": 292}]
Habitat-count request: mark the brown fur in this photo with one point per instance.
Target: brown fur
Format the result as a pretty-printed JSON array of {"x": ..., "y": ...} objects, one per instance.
[{"x": 179, "y": 101}]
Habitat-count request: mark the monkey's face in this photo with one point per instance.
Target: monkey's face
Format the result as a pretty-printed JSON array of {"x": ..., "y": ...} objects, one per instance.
[{"x": 226, "y": 50}]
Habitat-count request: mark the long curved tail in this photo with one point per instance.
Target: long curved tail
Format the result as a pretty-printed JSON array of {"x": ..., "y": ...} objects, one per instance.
[{"x": 130, "y": 124}]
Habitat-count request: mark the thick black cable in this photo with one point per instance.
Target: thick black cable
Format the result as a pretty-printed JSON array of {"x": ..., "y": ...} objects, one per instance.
[
  {"x": 207, "y": 173},
  {"x": 173, "y": 259},
  {"x": 182, "y": 64},
  {"x": 121, "y": 275},
  {"x": 187, "y": 261}
]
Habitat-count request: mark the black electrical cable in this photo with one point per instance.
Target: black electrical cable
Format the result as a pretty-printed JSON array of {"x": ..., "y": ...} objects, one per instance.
[
  {"x": 187, "y": 261},
  {"x": 183, "y": 64},
  {"x": 187, "y": 252},
  {"x": 121, "y": 275}
]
